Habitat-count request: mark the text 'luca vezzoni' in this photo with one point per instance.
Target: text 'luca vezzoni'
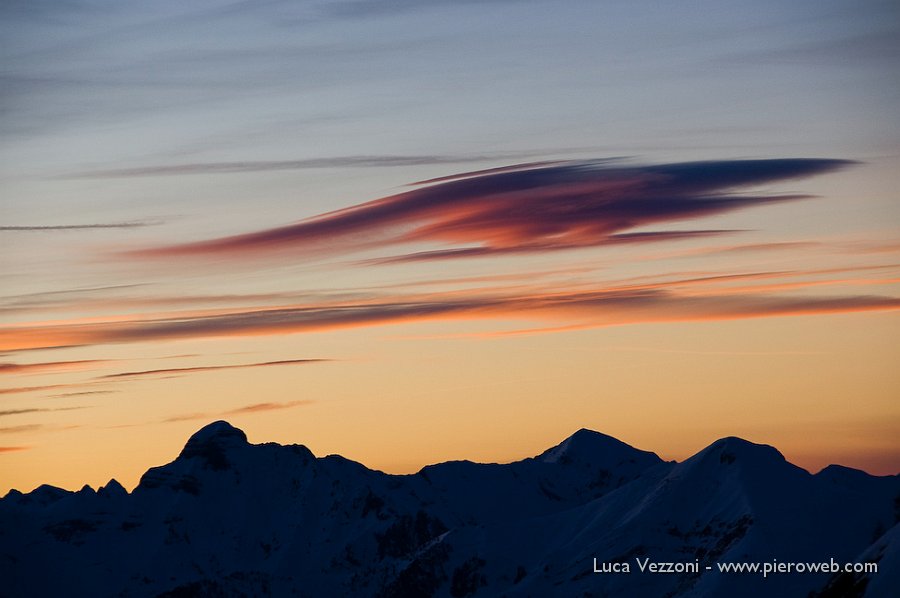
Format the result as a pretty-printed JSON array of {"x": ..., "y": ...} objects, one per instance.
[{"x": 645, "y": 565}]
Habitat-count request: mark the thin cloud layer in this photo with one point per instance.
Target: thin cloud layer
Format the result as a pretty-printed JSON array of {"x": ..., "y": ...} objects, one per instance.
[
  {"x": 684, "y": 300},
  {"x": 527, "y": 208}
]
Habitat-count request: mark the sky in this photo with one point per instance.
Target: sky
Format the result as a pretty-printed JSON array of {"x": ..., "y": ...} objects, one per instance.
[{"x": 414, "y": 231}]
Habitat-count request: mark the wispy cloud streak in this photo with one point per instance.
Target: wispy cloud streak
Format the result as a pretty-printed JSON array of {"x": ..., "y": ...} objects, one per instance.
[
  {"x": 69, "y": 227},
  {"x": 51, "y": 366},
  {"x": 21, "y": 389},
  {"x": 208, "y": 368},
  {"x": 258, "y": 407},
  {"x": 193, "y": 168},
  {"x": 20, "y": 429},
  {"x": 527, "y": 208},
  {"x": 8, "y": 412},
  {"x": 254, "y": 408},
  {"x": 66, "y": 395}
]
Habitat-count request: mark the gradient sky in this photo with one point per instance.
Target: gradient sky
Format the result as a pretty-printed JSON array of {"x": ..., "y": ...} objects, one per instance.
[{"x": 424, "y": 230}]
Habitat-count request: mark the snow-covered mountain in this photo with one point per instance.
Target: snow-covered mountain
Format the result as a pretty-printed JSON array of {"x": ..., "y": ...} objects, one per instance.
[{"x": 229, "y": 518}]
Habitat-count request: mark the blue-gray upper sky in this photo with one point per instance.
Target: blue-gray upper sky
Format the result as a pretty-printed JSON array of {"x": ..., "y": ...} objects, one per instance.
[{"x": 117, "y": 83}]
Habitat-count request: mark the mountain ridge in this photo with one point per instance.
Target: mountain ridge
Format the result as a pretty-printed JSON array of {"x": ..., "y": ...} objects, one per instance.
[
  {"x": 227, "y": 517},
  {"x": 215, "y": 430}
]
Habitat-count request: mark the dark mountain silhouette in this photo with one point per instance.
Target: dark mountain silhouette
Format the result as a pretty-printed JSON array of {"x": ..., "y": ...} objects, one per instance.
[{"x": 230, "y": 518}]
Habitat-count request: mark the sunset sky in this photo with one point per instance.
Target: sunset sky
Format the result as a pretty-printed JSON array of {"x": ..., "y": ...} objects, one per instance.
[{"x": 422, "y": 230}]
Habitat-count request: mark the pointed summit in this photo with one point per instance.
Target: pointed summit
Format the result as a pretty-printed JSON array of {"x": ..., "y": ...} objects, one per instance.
[{"x": 112, "y": 489}]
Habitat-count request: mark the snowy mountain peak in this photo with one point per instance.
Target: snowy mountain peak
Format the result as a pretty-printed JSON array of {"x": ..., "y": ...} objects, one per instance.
[
  {"x": 217, "y": 431},
  {"x": 220, "y": 434},
  {"x": 46, "y": 494},
  {"x": 737, "y": 455},
  {"x": 212, "y": 442},
  {"x": 840, "y": 472},
  {"x": 732, "y": 449},
  {"x": 588, "y": 446},
  {"x": 112, "y": 488}
]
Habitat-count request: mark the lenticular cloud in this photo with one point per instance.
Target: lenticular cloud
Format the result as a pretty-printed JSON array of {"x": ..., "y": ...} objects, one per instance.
[{"x": 527, "y": 208}]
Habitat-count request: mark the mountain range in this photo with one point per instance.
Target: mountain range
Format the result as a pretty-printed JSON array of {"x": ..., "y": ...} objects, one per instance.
[{"x": 231, "y": 518}]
